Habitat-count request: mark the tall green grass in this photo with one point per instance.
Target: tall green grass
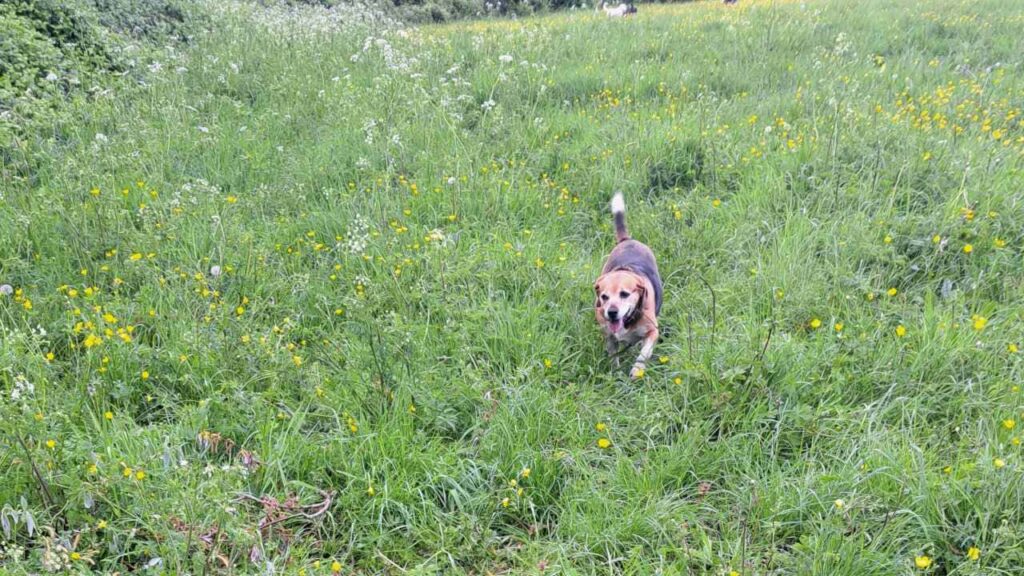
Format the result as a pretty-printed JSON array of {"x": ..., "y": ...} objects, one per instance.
[{"x": 319, "y": 292}]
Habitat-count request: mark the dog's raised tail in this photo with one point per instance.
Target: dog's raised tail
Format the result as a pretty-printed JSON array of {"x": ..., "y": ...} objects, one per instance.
[{"x": 619, "y": 213}]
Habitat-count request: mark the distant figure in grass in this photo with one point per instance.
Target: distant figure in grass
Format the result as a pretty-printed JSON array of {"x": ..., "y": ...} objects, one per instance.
[{"x": 619, "y": 11}]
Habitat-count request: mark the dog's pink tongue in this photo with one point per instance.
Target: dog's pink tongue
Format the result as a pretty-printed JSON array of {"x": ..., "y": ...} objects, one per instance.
[{"x": 615, "y": 325}]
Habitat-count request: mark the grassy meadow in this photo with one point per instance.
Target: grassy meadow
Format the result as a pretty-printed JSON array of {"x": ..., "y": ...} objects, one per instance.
[{"x": 314, "y": 296}]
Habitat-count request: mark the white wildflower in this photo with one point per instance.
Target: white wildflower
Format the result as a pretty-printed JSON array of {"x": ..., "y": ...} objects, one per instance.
[{"x": 22, "y": 387}]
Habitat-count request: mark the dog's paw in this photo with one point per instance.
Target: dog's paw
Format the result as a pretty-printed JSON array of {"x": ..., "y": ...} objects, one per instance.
[{"x": 637, "y": 372}]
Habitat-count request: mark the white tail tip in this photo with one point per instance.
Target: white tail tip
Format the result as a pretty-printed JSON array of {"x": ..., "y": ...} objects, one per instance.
[{"x": 618, "y": 204}]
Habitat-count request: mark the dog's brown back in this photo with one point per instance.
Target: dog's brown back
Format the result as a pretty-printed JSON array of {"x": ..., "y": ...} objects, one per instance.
[{"x": 632, "y": 255}]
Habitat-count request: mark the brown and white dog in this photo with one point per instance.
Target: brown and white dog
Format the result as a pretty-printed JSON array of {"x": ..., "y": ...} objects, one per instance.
[{"x": 628, "y": 294}]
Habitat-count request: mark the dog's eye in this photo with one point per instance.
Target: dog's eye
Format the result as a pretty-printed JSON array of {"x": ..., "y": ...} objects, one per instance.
[
  {"x": 623, "y": 294},
  {"x": 604, "y": 297}
]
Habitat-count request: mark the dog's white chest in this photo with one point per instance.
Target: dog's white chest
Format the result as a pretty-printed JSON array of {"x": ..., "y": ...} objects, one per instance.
[{"x": 632, "y": 335}]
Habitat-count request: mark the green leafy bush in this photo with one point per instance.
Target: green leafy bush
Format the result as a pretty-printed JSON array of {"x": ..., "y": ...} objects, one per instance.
[
  {"x": 71, "y": 27},
  {"x": 146, "y": 18},
  {"x": 26, "y": 57},
  {"x": 52, "y": 51}
]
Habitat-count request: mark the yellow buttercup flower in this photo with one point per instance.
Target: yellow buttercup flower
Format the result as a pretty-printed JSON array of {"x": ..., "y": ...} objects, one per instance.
[
  {"x": 922, "y": 562},
  {"x": 973, "y": 553},
  {"x": 815, "y": 323},
  {"x": 604, "y": 443},
  {"x": 968, "y": 248},
  {"x": 901, "y": 331}
]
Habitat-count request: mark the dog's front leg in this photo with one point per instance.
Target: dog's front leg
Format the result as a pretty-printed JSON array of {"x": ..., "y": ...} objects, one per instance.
[
  {"x": 611, "y": 345},
  {"x": 645, "y": 353}
]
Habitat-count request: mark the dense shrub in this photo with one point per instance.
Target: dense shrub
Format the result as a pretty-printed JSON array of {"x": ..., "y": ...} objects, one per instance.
[
  {"x": 25, "y": 56},
  {"x": 71, "y": 27},
  {"x": 146, "y": 18},
  {"x": 55, "y": 50}
]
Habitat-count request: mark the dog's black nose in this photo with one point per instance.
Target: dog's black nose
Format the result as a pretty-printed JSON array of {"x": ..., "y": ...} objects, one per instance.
[{"x": 613, "y": 314}]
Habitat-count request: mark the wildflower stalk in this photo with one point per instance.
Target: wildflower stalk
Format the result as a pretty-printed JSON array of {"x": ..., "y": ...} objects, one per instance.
[
  {"x": 714, "y": 308},
  {"x": 43, "y": 486}
]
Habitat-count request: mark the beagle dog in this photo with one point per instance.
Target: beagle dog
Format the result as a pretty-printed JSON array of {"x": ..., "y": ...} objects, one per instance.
[{"x": 628, "y": 294}]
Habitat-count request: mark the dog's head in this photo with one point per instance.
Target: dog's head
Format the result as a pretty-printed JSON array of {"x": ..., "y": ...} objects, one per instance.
[{"x": 620, "y": 294}]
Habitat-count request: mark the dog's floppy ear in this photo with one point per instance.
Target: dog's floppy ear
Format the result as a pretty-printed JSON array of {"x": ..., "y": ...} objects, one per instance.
[{"x": 597, "y": 292}]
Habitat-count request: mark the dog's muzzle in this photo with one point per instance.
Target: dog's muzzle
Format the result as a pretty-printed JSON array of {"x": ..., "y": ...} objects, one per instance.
[{"x": 615, "y": 320}]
